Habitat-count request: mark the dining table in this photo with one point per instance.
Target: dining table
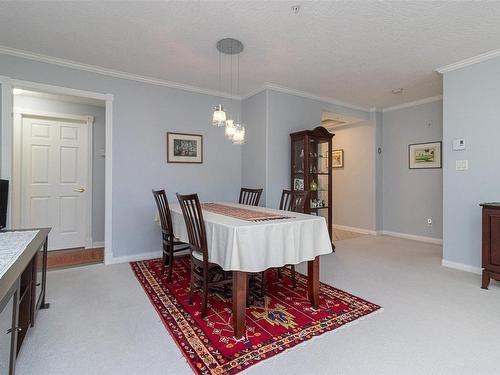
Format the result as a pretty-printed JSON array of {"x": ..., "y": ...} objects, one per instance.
[{"x": 248, "y": 239}]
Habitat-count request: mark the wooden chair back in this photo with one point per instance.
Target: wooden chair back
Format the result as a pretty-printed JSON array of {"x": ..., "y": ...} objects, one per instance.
[
  {"x": 193, "y": 217},
  {"x": 250, "y": 197},
  {"x": 294, "y": 200},
  {"x": 164, "y": 213}
]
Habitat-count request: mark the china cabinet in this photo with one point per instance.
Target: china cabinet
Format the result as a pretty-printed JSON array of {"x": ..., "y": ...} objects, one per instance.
[{"x": 311, "y": 169}]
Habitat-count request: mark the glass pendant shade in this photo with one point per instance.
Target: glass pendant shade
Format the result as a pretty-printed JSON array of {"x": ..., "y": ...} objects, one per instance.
[
  {"x": 239, "y": 135},
  {"x": 230, "y": 129},
  {"x": 219, "y": 117}
]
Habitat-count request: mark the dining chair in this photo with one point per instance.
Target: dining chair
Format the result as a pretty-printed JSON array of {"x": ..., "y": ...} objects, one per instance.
[
  {"x": 293, "y": 200},
  {"x": 202, "y": 270},
  {"x": 171, "y": 245},
  {"x": 250, "y": 197}
]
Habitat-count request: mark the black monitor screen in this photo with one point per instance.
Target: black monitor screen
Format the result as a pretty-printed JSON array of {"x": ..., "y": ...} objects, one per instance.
[{"x": 4, "y": 197}]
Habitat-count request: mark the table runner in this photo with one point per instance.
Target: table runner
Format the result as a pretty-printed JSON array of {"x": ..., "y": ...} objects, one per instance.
[{"x": 242, "y": 213}]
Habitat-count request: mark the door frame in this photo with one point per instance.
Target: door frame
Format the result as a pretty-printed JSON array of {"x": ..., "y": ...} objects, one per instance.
[
  {"x": 7, "y": 85},
  {"x": 17, "y": 187}
]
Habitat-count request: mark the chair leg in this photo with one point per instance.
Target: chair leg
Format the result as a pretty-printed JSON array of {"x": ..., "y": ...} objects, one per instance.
[
  {"x": 163, "y": 263},
  {"x": 292, "y": 268},
  {"x": 171, "y": 265},
  {"x": 263, "y": 284},
  {"x": 205, "y": 297},
  {"x": 191, "y": 286}
]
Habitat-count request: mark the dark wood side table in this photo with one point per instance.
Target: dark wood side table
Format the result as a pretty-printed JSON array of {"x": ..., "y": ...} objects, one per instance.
[{"x": 491, "y": 243}]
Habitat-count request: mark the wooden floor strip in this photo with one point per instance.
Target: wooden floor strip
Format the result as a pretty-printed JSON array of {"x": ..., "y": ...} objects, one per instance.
[{"x": 74, "y": 257}]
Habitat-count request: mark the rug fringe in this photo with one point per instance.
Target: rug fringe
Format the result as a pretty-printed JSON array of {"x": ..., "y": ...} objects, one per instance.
[{"x": 326, "y": 334}]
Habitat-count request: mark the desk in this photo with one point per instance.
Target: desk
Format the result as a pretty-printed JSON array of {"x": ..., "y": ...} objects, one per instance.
[{"x": 22, "y": 290}]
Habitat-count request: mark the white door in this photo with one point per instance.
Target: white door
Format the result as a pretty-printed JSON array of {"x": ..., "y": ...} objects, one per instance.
[{"x": 54, "y": 179}]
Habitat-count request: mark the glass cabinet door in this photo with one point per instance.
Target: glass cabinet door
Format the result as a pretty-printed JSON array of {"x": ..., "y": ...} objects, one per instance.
[
  {"x": 298, "y": 163},
  {"x": 319, "y": 155}
]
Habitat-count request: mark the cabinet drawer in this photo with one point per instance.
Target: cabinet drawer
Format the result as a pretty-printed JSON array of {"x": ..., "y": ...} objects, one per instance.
[{"x": 494, "y": 248}]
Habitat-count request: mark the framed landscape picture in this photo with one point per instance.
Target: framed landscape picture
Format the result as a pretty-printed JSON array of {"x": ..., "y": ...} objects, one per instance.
[
  {"x": 184, "y": 148},
  {"x": 424, "y": 155},
  {"x": 338, "y": 159}
]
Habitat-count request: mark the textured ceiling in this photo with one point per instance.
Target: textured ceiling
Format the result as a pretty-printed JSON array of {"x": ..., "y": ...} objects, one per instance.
[{"x": 355, "y": 52}]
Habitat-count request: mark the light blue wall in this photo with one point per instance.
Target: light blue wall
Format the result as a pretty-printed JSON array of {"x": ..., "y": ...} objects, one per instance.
[
  {"x": 471, "y": 110},
  {"x": 287, "y": 114},
  {"x": 254, "y": 155},
  {"x": 98, "y": 144},
  {"x": 142, "y": 114},
  {"x": 410, "y": 196}
]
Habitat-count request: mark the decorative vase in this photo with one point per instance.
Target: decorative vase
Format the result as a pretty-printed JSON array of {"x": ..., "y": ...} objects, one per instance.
[{"x": 314, "y": 186}]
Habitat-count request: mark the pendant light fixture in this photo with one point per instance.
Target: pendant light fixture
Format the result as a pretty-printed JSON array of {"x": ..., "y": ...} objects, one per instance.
[
  {"x": 219, "y": 116},
  {"x": 229, "y": 46}
]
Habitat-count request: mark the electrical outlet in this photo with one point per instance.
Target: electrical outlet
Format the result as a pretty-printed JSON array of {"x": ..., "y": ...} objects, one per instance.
[{"x": 429, "y": 221}]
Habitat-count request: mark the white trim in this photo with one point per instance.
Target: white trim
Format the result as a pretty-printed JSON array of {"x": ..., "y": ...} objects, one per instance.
[
  {"x": 108, "y": 194},
  {"x": 111, "y": 72},
  {"x": 90, "y": 179},
  {"x": 304, "y": 94},
  {"x": 355, "y": 230},
  {"x": 413, "y": 104},
  {"x": 461, "y": 266},
  {"x": 17, "y": 192},
  {"x": 470, "y": 61},
  {"x": 7, "y": 139},
  {"x": 437, "y": 241},
  {"x": 135, "y": 257},
  {"x": 6, "y": 151},
  {"x": 64, "y": 116}
]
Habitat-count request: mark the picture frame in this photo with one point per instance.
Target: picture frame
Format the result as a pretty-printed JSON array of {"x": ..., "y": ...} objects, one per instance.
[
  {"x": 298, "y": 184},
  {"x": 338, "y": 158},
  {"x": 425, "y": 155},
  {"x": 184, "y": 148}
]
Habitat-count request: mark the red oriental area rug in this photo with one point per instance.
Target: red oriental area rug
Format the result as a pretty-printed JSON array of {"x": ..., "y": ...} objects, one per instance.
[{"x": 283, "y": 320}]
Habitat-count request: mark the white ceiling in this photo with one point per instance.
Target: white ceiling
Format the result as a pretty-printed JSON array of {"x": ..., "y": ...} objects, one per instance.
[{"x": 355, "y": 52}]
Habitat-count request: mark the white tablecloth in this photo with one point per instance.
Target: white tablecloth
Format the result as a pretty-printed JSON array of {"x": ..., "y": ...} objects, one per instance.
[{"x": 239, "y": 245}]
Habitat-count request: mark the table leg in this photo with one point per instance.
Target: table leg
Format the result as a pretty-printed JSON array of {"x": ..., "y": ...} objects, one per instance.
[
  {"x": 313, "y": 282},
  {"x": 239, "y": 303}
]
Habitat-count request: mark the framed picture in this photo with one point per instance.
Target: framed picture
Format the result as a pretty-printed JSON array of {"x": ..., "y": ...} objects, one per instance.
[
  {"x": 298, "y": 184},
  {"x": 338, "y": 158},
  {"x": 184, "y": 148},
  {"x": 424, "y": 155}
]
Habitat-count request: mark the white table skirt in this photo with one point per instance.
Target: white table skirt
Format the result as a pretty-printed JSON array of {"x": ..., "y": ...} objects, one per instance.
[{"x": 240, "y": 245}]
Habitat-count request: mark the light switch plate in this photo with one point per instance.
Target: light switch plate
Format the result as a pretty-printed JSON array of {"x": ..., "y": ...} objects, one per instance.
[
  {"x": 461, "y": 165},
  {"x": 458, "y": 144}
]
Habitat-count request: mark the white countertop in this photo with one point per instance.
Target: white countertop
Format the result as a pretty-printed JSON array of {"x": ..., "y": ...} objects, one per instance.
[{"x": 12, "y": 244}]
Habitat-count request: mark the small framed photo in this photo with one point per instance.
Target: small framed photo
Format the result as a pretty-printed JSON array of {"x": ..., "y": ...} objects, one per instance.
[
  {"x": 338, "y": 158},
  {"x": 298, "y": 184},
  {"x": 424, "y": 155},
  {"x": 184, "y": 148}
]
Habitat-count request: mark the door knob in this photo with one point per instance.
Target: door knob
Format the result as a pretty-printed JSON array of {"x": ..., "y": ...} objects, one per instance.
[{"x": 80, "y": 190}]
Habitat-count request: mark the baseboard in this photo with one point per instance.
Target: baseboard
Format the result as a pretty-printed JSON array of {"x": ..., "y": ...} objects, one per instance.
[
  {"x": 134, "y": 257},
  {"x": 354, "y": 229},
  {"x": 461, "y": 266},
  {"x": 437, "y": 241}
]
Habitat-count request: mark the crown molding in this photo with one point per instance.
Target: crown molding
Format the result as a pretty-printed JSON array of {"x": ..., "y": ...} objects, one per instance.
[
  {"x": 303, "y": 94},
  {"x": 470, "y": 61},
  {"x": 413, "y": 104},
  {"x": 110, "y": 72}
]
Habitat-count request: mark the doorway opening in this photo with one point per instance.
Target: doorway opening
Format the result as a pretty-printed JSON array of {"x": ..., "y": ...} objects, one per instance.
[
  {"x": 58, "y": 172},
  {"x": 353, "y": 175}
]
